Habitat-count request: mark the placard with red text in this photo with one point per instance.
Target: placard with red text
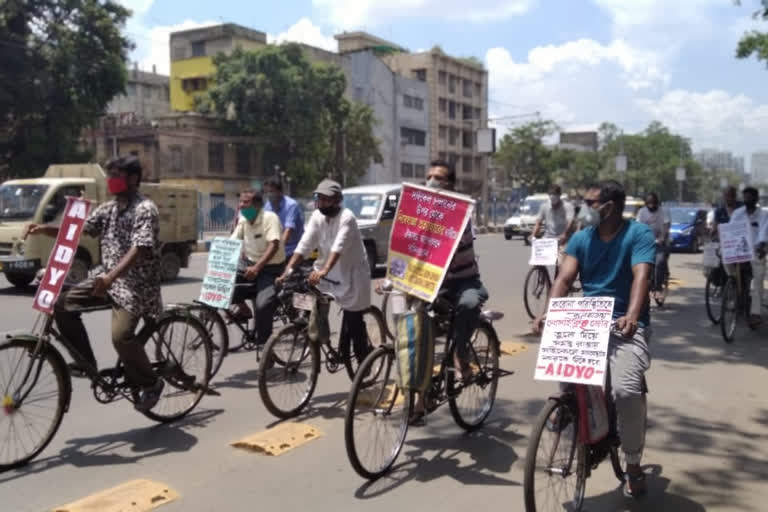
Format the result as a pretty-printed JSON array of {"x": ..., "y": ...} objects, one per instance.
[
  {"x": 219, "y": 280},
  {"x": 62, "y": 255},
  {"x": 574, "y": 344}
]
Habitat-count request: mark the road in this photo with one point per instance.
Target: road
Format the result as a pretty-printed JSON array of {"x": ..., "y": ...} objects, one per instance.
[{"x": 707, "y": 443}]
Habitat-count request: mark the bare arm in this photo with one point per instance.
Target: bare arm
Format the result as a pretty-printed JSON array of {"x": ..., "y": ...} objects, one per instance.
[
  {"x": 315, "y": 277},
  {"x": 537, "y": 229},
  {"x": 287, "y": 233},
  {"x": 37, "y": 229},
  {"x": 257, "y": 267}
]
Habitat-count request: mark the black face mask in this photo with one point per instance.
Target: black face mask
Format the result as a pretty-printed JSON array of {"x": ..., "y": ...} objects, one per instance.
[
  {"x": 751, "y": 205},
  {"x": 330, "y": 211},
  {"x": 653, "y": 208}
]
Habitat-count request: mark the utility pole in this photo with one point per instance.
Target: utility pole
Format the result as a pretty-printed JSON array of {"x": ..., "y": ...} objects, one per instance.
[{"x": 680, "y": 174}]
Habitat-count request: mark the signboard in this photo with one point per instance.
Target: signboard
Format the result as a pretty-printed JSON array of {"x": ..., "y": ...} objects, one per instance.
[
  {"x": 486, "y": 140},
  {"x": 427, "y": 229},
  {"x": 735, "y": 244},
  {"x": 543, "y": 252},
  {"x": 574, "y": 345},
  {"x": 680, "y": 174},
  {"x": 62, "y": 255},
  {"x": 219, "y": 279},
  {"x": 621, "y": 163}
]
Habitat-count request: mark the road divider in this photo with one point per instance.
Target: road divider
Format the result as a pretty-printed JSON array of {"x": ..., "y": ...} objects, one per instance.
[{"x": 280, "y": 439}]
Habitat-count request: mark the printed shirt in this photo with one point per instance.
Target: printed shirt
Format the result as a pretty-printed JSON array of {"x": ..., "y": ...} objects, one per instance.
[
  {"x": 138, "y": 289},
  {"x": 256, "y": 236},
  {"x": 291, "y": 217}
]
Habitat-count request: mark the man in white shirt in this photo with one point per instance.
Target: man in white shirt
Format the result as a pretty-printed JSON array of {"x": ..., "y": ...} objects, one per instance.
[
  {"x": 261, "y": 234},
  {"x": 333, "y": 231},
  {"x": 757, "y": 219}
]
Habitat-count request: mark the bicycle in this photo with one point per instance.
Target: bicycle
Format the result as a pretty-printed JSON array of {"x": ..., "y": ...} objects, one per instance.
[
  {"x": 713, "y": 292},
  {"x": 537, "y": 287},
  {"x": 736, "y": 300},
  {"x": 39, "y": 379},
  {"x": 289, "y": 368},
  {"x": 568, "y": 455},
  {"x": 376, "y": 396}
]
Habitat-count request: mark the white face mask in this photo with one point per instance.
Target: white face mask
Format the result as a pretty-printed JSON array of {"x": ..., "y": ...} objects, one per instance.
[
  {"x": 434, "y": 183},
  {"x": 588, "y": 216},
  {"x": 554, "y": 199}
]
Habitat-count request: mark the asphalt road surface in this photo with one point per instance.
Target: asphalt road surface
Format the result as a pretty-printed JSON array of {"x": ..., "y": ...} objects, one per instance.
[{"x": 707, "y": 443}]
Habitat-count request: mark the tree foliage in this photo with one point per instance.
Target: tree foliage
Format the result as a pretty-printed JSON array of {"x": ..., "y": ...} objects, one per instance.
[
  {"x": 276, "y": 93},
  {"x": 61, "y": 62},
  {"x": 755, "y": 42},
  {"x": 524, "y": 156}
]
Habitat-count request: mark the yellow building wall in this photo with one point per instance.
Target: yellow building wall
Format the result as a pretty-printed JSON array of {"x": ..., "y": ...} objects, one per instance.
[{"x": 196, "y": 67}]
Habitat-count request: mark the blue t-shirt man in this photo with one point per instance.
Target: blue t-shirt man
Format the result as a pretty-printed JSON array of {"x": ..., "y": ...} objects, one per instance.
[
  {"x": 606, "y": 267},
  {"x": 291, "y": 217}
]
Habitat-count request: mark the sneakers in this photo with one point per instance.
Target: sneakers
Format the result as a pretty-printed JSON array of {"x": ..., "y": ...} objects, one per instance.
[{"x": 150, "y": 396}]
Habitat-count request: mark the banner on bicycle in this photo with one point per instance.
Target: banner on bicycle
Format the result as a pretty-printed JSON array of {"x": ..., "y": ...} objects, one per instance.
[
  {"x": 735, "y": 242},
  {"x": 427, "y": 230},
  {"x": 543, "y": 252},
  {"x": 574, "y": 344},
  {"x": 62, "y": 255},
  {"x": 219, "y": 280}
]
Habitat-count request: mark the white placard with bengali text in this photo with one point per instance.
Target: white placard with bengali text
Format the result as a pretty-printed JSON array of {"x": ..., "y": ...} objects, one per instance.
[
  {"x": 574, "y": 344},
  {"x": 735, "y": 243},
  {"x": 543, "y": 252}
]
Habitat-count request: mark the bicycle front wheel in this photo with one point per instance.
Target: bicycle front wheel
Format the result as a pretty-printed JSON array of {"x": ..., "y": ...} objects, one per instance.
[
  {"x": 35, "y": 392},
  {"x": 729, "y": 310},
  {"x": 377, "y": 416},
  {"x": 555, "y": 470},
  {"x": 288, "y": 372},
  {"x": 536, "y": 291},
  {"x": 218, "y": 332},
  {"x": 471, "y": 402},
  {"x": 182, "y": 357},
  {"x": 713, "y": 297}
]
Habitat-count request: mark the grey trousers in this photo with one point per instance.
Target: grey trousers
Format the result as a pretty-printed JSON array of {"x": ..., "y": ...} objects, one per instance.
[{"x": 628, "y": 360}]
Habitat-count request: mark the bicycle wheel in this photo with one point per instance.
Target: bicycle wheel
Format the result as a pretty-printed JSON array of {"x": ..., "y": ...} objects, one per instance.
[
  {"x": 288, "y": 372},
  {"x": 472, "y": 403},
  {"x": 240, "y": 340},
  {"x": 713, "y": 299},
  {"x": 374, "y": 327},
  {"x": 616, "y": 464},
  {"x": 536, "y": 291},
  {"x": 729, "y": 307},
  {"x": 555, "y": 472},
  {"x": 218, "y": 333},
  {"x": 182, "y": 357},
  {"x": 35, "y": 394},
  {"x": 389, "y": 316},
  {"x": 376, "y": 420}
]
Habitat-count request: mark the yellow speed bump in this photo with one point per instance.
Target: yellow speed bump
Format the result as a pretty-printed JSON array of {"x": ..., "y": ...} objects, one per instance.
[
  {"x": 675, "y": 284},
  {"x": 280, "y": 439},
  {"x": 134, "y": 496},
  {"x": 513, "y": 348}
]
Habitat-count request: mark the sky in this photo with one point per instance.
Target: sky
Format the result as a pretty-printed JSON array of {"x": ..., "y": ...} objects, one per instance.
[{"x": 576, "y": 62}]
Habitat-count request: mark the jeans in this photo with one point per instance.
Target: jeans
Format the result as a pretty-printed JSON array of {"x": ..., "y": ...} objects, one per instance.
[
  {"x": 661, "y": 268},
  {"x": 138, "y": 370},
  {"x": 262, "y": 289},
  {"x": 352, "y": 328},
  {"x": 466, "y": 295}
]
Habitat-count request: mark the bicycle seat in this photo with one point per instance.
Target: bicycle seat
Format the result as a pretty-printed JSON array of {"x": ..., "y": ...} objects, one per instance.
[{"x": 491, "y": 316}]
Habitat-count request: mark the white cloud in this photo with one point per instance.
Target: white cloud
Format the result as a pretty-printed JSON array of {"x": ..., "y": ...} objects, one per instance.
[
  {"x": 304, "y": 31},
  {"x": 362, "y": 13}
]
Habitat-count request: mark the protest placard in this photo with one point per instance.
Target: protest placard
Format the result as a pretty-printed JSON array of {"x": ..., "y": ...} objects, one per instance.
[
  {"x": 62, "y": 255},
  {"x": 735, "y": 242},
  {"x": 427, "y": 229},
  {"x": 219, "y": 279},
  {"x": 574, "y": 345},
  {"x": 543, "y": 252}
]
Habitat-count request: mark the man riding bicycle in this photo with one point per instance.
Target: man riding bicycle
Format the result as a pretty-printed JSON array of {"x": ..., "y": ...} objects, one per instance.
[
  {"x": 658, "y": 220},
  {"x": 556, "y": 219},
  {"x": 722, "y": 214},
  {"x": 128, "y": 278},
  {"x": 615, "y": 259}
]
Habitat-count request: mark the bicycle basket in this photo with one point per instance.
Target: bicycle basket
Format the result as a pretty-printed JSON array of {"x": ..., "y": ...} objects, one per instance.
[{"x": 415, "y": 349}]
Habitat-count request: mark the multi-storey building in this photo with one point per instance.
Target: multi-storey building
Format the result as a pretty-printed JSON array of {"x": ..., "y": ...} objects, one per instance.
[
  {"x": 146, "y": 97},
  {"x": 717, "y": 160},
  {"x": 760, "y": 168}
]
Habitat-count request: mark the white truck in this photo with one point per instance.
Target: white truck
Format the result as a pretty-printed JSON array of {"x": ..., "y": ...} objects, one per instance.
[{"x": 42, "y": 201}]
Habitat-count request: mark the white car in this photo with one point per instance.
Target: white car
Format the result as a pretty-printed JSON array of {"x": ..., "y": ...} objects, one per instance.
[{"x": 512, "y": 226}]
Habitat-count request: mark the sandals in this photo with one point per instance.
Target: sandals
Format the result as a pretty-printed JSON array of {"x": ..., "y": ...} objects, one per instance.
[{"x": 634, "y": 485}]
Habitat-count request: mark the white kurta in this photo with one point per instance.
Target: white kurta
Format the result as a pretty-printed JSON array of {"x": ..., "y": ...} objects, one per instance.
[{"x": 339, "y": 234}]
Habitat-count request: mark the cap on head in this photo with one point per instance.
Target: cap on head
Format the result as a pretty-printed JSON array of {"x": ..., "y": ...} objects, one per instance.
[{"x": 328, "y": 188}]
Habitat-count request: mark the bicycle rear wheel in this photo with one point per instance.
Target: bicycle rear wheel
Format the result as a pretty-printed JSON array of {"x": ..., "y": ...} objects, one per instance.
[
  {"x": 374, "y": 327},
  {"x": 713, "y": 299},
  {"x": 471, "y": 403},
  {"x": 35, "y": 394},
  {"x": 376, "y": 420},
  {"x": 555, "y": 470},
  {"x": 181, "y": 357},
  {"x": 288, "y": 372},
  {"x": 536, "y": 291},
  {"x": 729, "y": 309}
]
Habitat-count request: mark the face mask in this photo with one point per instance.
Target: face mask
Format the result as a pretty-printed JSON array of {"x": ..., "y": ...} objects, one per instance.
[
  {"x": 330, "y": 211},
  {"x": 434, "y": 183},
  {"x": 588, "y": 216},
  {"x": 653, "y": 208},
  {"x": 117, "y": 185},
  {"x": 554, "y": 199},
  {"x": 249, "y": 213},
  {"x": 751, "y": 205}
]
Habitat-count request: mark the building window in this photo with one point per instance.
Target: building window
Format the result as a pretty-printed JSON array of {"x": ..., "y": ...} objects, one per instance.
[
  {"x": 413, "y": 137},
  {"x": 130, "y": 89},
  {"x": 451, "y": 83},
  {"x": 441, "y": 77},
  {"x": 453, "y": 158},
  {"x": 453, "y": 135},
  {"x": 420, "y": 74},
  {"x": 418, "y": 103},
  {"x": 442, "y": 131},
  {"x": 443, "y": 104},
  {"x": 467, "y": 88},
  {"x": 419, "y": 171},
  {"x": 466, "y": 112},
  {"x": 215, "y": 157},
  {"x": 407, "y": 101},
  {"x": 478, "y": 113},
  {"x": 413, "y": 102},
  {"x": 178, "y": 53},
  {"x": 478, "y": 163},
  {"x": 478, "y": 89},
  {"x": 466, "y": 139},
  {"x": 198, "y": 49},
  {"x": 194, "y": 84},
  {"x": 243, "y": 157},
  {"x": 177, "y": 159},
  {"x": 466, "y": 164},
  {"x": 406, "y": 170},
  {"x": 452, "y": 110}
]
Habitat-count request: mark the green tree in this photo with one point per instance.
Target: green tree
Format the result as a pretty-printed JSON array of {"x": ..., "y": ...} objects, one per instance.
[
  {"x": 299, "y": 107},
  {"x": 525, "y": 158},
  {"x": 755, "y": 42},
  {"x": 61, "y": 62}
]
